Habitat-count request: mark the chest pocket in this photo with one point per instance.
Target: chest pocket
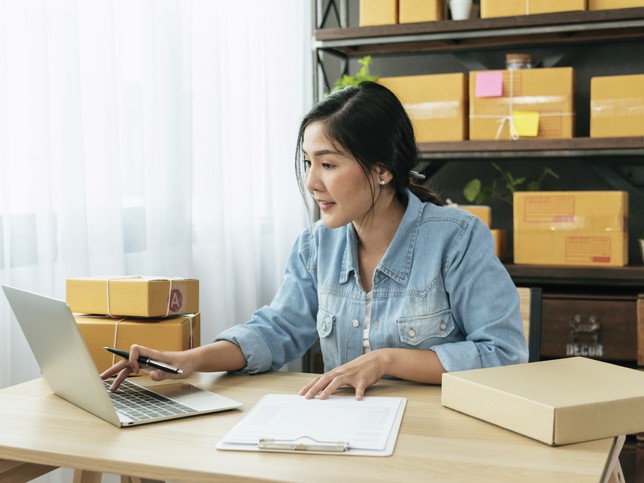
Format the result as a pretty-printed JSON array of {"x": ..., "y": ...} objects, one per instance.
[
  {"x": 325, "y": 323},
  {"x": 417, "y": 329}
]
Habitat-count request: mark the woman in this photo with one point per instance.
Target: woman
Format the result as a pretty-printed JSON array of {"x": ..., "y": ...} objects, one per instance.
[{"x": 391, "y": 282}]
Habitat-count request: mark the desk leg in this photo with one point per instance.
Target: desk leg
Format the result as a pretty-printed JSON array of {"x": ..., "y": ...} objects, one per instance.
[
  {"x": 17, "y": 472},
  {"x": 81, "y": 476},
  {"x": 613, "y": 470}
]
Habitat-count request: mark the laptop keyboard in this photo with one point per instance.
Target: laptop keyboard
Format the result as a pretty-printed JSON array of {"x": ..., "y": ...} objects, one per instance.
[{"x": 138, "y": 403}]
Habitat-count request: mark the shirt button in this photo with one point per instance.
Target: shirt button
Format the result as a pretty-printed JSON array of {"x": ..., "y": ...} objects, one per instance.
[
  {"x": 323, "y": 325},
  {"x": 355, "y": 323},
  {"x": 411, "y": 333},
  {"x": 443, "y": 326}
]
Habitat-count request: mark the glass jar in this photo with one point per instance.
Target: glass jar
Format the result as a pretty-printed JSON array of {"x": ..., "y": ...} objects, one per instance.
[{"x": 518, "y": 61}]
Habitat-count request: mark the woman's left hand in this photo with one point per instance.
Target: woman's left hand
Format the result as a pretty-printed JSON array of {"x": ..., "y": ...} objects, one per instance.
[{"x": 359, "y": 373}]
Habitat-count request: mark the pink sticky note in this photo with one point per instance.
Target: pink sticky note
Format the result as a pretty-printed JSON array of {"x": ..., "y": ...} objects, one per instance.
[{"x": 489, "y": 84}]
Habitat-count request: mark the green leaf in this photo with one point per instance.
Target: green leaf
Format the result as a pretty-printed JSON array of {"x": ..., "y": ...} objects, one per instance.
[{"x": 472, "y": 190}]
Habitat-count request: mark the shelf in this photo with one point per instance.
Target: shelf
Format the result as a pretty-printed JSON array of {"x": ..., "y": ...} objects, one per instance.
[
  {"x": 607, "y": 277},
  {"x": 478, "y": 34},
  {"x": 630, "y": 147}
]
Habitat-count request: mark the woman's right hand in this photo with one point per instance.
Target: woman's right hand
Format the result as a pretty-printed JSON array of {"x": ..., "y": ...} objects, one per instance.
[{"x": 125, "y": 367}]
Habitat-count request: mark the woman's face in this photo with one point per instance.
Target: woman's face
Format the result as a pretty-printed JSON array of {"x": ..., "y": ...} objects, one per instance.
[{"x": 335, "y": 179}]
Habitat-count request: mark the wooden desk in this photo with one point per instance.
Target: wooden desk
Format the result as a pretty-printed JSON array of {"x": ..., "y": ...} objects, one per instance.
[{"x": 435, "y": 443}]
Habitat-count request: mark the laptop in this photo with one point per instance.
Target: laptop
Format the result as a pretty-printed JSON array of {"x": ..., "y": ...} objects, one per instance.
[{"x": 68, "y": 368}]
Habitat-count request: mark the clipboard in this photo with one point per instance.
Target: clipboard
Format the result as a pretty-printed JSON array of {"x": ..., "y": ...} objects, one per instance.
[{"x": 340, "y": 425}]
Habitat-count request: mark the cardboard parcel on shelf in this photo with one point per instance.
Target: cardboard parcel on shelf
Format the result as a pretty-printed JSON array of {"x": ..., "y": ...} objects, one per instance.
[
  {"x": 617, "y": 106},
  {"x": 168, "y": 334},
  {"x": 436, "y": 104},
  {"x": 571, "y": 228},
  {"x": 613, "y": 4},
  {"x": 378, "y": 12},
  {"x": 534, "y": 102},
  {"x": 510, "y": 8},
  {"x": 410, "y": 11},
  {"x": 557, "y": 402},
  {"x": 133, "y": 296}
]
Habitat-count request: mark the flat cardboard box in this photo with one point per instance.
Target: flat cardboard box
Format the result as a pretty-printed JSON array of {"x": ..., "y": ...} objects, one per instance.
[
  {"x": 378, "y": 12},
  {"x": 436, "y": 104},
  {"x": 133, "y": 296},
  {"x": 411, "y": 11},
  {"x": 171, "y": 334},
  {"x": 571, "y": 228},
  {"x": 548, "y": 91},
  {"x": 510, "y": 8},
  {"x": 613, "y": 4},
  {"x": 617, "y": 106},
  {"x": 557, "y": 402}
]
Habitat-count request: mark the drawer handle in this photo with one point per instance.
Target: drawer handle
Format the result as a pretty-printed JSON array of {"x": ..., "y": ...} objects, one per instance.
[{"x": 591, "y": 328}]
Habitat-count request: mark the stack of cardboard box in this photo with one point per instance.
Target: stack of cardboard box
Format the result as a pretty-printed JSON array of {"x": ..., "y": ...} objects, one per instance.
[{"x": 120, "y": 311}]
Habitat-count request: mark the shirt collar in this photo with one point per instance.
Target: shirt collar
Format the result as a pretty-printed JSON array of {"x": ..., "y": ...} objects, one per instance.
[{"x": 396, "y": 263}]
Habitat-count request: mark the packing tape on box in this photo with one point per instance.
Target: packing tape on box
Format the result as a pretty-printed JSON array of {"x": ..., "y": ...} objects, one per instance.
[
  {"x": 433, "y": 110},
  {"x": 107, "y": 287},
  {"x": 617, "y": 107},
  {"x": 509, "y": 118},
  {"x": 116, "y": 333}
]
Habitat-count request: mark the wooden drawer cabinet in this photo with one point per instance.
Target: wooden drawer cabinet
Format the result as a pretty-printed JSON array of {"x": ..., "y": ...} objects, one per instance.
[{"x": 600, "y": 327}]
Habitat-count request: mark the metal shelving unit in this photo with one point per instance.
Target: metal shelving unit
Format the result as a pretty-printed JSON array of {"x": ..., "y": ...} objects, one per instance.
[{"x": 477, "y": 35}]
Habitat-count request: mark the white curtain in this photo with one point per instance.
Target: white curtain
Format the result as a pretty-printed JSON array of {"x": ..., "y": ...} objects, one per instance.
[{"x": 152, "y": 138}]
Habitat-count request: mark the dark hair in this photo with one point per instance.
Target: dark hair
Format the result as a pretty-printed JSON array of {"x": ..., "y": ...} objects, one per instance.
[{"x": 370, "y": 123}]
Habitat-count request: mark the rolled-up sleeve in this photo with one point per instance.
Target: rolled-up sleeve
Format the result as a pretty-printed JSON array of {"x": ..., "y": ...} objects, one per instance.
[
  {"x": 484, "y": 303},
  {"x": 284, "y": 330}
]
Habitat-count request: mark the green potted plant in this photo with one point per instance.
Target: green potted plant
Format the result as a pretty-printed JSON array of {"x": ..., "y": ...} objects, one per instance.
[
  {"x": 503, "y": 186},
  {"x": 362, "y": 75}
]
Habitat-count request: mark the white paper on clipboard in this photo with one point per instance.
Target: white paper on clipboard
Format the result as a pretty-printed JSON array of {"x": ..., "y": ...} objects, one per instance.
[{"x": 368, "y": 427}]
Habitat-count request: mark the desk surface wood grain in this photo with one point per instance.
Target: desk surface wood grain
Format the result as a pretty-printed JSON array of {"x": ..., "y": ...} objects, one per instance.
[{"x": 434, "y": 444}]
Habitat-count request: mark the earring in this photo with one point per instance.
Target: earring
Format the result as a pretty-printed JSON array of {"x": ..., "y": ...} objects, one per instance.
[{"x": 382, "y": 182}]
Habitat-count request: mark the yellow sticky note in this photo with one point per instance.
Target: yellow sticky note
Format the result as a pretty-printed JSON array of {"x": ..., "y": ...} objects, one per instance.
[{"x": 526, "y": 123}]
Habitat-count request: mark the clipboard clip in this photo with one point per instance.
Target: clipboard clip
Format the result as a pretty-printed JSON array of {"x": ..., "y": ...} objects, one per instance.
[{"x": 304, "y": 444}]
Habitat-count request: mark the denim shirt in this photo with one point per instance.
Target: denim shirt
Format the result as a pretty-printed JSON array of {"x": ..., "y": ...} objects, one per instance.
[{"x": 438, "y": 287}]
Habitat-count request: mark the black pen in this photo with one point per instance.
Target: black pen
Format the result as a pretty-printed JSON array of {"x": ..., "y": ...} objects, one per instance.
[{"x": 146, "y": 361}]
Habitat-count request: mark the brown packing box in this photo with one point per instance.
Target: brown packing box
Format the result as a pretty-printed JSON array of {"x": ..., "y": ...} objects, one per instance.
[
  {"x": 500, "y": 242},
  {"x": 557, "y": 402},
  {"x": 482, "y": 212},
  {"x": 436, "y": 104},
  {"x": 617, "y": 106},
  {"x": 171, "y": 334},
  {"x": 410, "y": 11},
  {"x": 509, "y": 8},
  {"x": 571, "y": 228},
  {"x": 133, "y": 296},
  {"x": 613, "y": 4},
  {"x": 378, "y": 12},
  {"x": 550, "y": 92}
]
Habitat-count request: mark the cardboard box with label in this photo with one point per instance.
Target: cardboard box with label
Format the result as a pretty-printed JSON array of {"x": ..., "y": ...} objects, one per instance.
[
  {"x": 411, "y": 11},
  {"x": 133, "y": 296},
  {"x": 523, "y": 103},
  {"x": 557, "y": 402},
  {"x": 613, "y": 4},
  {"x": 378, "y": 12},
  {"x": 436, "y": 104},
  {"x": 171, "y": 334},
  {"x": 617, "y": 106},
  {"x": 510, "y": 8},
  {"x": 571, "y": 228}
]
